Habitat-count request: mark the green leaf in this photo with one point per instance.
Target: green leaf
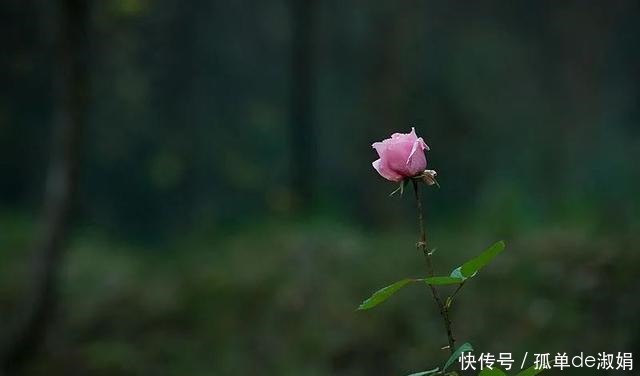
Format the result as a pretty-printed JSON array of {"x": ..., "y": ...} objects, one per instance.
[
  {"x": 471, "y": 267},
  {"x": 384, "y": 293},
  {"x": 456, "y": 273},
  {"x": 425, "y": 373},
  {"x": 492, "y": 372},
  {"x": 465, "y": 347},
  {"x": 531, "y": 371},
  {"x": 443, "y": 280}
]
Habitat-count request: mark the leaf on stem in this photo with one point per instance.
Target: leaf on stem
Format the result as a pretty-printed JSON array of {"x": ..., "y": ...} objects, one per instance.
[
  {"x": 471, "y": 267},
  {"x": 465, "y": 347},
  {"x": 384, "y": 293}
]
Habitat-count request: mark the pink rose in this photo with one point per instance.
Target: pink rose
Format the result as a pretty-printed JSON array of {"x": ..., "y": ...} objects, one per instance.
[{"x": 401, "y": 156}]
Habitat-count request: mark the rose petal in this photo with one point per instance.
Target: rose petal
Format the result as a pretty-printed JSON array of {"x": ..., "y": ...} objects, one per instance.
[
  {"x": 396, "y": 155},
  {"x": 417, "y": 161},
  {"x": 424, "y": 144},
  {"x": 385, "y": 172}
]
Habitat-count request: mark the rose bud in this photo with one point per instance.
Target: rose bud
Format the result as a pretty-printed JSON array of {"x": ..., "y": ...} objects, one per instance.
[{"x": 401, "y": 156}]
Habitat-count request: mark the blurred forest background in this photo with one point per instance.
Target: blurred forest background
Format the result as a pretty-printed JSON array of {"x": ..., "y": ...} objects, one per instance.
[{"x": 186, "y": 187}]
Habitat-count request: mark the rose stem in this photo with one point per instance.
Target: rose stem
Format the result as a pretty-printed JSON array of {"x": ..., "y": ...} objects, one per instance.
[{"x": 422, "y": 246}]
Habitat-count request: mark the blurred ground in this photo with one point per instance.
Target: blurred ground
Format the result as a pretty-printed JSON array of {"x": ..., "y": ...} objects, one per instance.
[{"x": 280, "y": 298}]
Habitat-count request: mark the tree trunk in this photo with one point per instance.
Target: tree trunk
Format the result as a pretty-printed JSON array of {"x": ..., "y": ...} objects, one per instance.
[{"x": 70, "y": 90}]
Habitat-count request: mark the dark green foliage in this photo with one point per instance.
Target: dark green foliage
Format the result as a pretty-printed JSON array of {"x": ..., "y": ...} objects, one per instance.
[{"x": 188, "y": 256}]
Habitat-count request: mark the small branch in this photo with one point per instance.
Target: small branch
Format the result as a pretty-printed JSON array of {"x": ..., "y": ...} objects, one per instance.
[
  {"x": 449, "y": 300},
  {"x": 457, "y": 290},
  {"x": 422, "y": 246}
]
